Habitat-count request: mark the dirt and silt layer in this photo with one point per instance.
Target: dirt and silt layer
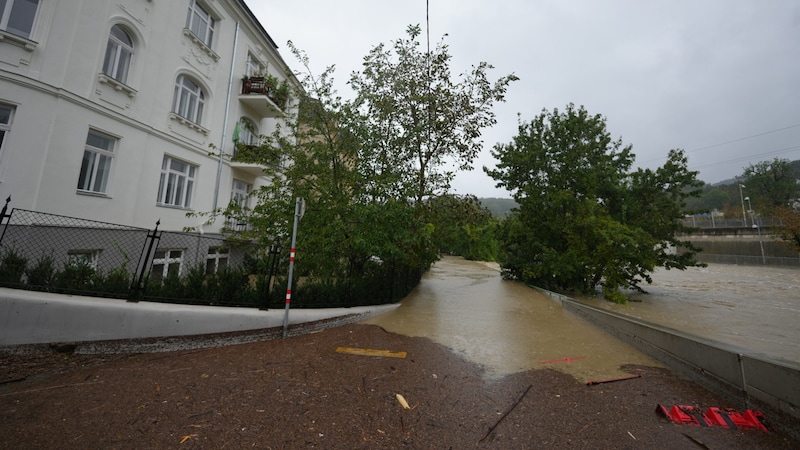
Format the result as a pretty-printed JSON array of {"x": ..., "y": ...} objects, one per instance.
[{"x": 300, "y": 393}]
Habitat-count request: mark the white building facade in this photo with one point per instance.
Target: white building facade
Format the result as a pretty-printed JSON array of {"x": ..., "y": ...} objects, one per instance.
[{"x": 117, "y": 111}]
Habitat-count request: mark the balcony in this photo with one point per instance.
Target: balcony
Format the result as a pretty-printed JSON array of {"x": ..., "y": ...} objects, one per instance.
[
  {"x": 265, "y": 95},
  {"x": 252, "y": 159}
]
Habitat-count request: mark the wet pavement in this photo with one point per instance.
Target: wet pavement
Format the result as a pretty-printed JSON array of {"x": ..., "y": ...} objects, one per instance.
[{"x": 506, "y": 326}]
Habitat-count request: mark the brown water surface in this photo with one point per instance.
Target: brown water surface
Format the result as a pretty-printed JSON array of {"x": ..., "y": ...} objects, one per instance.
[
  {"x": 504, "y": 325},
  {"x": 756, "y": 308}
]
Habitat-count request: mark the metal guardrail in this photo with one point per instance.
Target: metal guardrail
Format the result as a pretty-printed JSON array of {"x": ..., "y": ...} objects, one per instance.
[{"x": 705, "y": 222}]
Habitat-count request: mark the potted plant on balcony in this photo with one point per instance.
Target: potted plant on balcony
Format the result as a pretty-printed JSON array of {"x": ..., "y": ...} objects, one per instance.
[
  {"x": 280, "y": 94},
  {"x": 270, "y": 82}
]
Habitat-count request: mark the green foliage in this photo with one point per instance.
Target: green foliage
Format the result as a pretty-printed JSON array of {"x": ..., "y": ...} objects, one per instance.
[
  {"x": 771, "y": 184},
  {"x": 12, "y": 266},
  {"x": 789, "y": 231},
  {"x": 463, "y": 227},
  {"x": 231, "y": 285},
  {"x": 416, "y": 119},
  {"x": 76, "y": 276},
  {"x": 499, "y": 207},
  {"x": 710, "y": 199},
  {"x": 585, "y": 220},
  {"x": 366, "y": 169},
  {"x": 43, "y": 273},
  {"x": 169, "y": 287},
  {"x": 116, "y": 282}
]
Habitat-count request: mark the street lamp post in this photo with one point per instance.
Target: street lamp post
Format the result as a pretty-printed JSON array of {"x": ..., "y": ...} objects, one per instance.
[
  {"x": 744, "y": 217},
  {"x": 758, "y": 228}
]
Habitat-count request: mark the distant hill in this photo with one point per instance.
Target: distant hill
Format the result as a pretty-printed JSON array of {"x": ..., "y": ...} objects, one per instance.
[{"x": 499, "y": 207}]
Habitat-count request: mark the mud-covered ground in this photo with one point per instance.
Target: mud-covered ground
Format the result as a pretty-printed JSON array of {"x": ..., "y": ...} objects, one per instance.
[{"x": 301, "y": 393}]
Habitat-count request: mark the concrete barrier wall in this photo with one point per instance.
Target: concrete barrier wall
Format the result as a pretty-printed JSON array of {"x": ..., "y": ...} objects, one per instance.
[
  {"x": 29, "y": 317},
  {"x": 730, "y": 371}
]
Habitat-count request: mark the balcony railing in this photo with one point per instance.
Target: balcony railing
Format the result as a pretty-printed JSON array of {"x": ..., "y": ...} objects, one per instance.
[
  {"x": 278, "y": 93},
  {"x": 258, "y": 155}
]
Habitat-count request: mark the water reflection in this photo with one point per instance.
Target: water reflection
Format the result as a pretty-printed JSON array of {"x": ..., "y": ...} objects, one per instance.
[{"x": 505, "y": 326}]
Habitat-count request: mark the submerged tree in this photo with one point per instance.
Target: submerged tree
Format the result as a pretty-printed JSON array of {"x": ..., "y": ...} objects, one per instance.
[{"x": 584, "y": 219}]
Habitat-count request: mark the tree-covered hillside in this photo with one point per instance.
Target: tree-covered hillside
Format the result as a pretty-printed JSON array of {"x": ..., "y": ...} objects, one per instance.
[{"x": 499, "y": 207}]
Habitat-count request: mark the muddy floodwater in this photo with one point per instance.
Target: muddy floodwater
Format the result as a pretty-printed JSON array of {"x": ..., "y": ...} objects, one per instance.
[
  {"x": 505, "y": 326},
  {"x": 755, "y": 308}
]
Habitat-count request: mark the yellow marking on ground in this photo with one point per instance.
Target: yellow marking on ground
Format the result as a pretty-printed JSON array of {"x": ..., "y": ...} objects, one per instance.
[{"x": 370, "y": 352}]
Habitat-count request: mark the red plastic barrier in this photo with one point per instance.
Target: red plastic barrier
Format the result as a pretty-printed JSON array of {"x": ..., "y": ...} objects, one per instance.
[
  {"x": 684, "y": 414},
  {"x": 729, "y": 418},
  {"x": 726, "y": 418}
]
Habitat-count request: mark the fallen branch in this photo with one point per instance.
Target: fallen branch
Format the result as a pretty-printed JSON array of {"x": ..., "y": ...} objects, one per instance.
[
  {"x": 506, "y": 413},
  {"x": 612, "y": 380}
]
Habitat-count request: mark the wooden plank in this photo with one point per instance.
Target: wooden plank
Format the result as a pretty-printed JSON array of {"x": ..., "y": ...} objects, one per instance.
[{"x": 370, "y": 352}]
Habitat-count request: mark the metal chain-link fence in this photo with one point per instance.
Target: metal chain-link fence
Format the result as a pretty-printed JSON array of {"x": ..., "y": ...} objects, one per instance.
[{"x": 56, "y": 253}]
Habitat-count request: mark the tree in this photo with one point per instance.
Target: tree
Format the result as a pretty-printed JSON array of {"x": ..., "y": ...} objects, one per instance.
[
  {"x": 346, "y": 230},
  {"x": 367, "y": 168},
  {"x": 585, "y": 220},
  {"x": 418, "y": 120},
  {"x": 464, "y": 227},
  {"x": 711, "y": 198},
  {"x": 789, "y": 230},
  {"x": 771, "y": 183}
]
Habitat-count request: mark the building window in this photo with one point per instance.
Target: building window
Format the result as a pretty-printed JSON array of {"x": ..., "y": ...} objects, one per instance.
[
  {"x": 216, "y": 260},
  {"x": 119, "y": 52},
  {"x": 83, "y": 258},
  {"x": 6, "y": 117},
  {"x": 96, "y": 164},
  {"x": 17, "y": 16},
  {"x": 200, "y": 23},
  {"x": 254, "y": 67},
  {"x": 247, "y": 133},
  {"x": 189, "y": 100},
  {"x": 176, "y": 184},
  {"x": 240, "y": 193},
  {"x": 166, "y": 263}
]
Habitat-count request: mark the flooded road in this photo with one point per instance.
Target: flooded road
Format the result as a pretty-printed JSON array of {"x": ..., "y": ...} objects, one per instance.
[
  {"x": 505, "y": 326},
  {"x": 753, "y": 307}
]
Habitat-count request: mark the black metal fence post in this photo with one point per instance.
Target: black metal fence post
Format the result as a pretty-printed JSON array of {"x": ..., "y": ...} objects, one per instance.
[
  {"x": 5, "y": 217},
  {"x": 273, "y": 254},
  {"x": 140, "y": 282}
]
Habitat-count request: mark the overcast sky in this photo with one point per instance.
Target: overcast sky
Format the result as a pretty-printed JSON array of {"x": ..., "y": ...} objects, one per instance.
[{"x": 720, "y": 79}]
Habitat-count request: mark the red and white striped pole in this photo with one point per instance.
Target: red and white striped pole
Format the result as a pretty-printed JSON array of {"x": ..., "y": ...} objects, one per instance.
[{"x": 299, "y": 210}]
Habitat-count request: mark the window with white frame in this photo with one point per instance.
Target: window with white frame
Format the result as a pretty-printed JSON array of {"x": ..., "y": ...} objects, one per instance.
[
  {"x": 83, "y": 258},
  {"x": 217, "y": 259},
  {"x": 176, "y": 184},
  {"x": 200, "y": 22},
  {"x": 96, "y": 165},
  {"x": 119, "y": 53},
  {"x": 166, "y": 262},
  {"x": 6, "y": 117},
  {"x": 17, "y": 16},
  {"x": 189, "y": 99},
  {"x": 248, "y": 132},
  {"x": 240, "y": 193},
  {"x": 254, "y": 66}
]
